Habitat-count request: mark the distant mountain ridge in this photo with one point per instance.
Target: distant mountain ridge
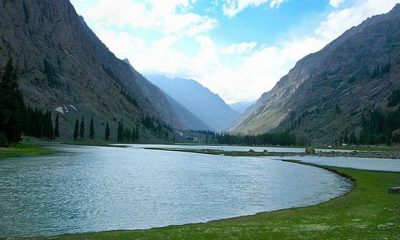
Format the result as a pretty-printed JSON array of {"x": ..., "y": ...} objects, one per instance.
[
  {"x": 200, "y": 101},
  {"x": 241, "y": 107},
  {"x": 65, "y": 67},
  {"x": 324, "y": 96},
  {"x": 189, "y": 120}
]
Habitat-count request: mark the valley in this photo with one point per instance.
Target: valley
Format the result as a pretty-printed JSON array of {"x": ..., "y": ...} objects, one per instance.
[{"x": 136, "y": 119}]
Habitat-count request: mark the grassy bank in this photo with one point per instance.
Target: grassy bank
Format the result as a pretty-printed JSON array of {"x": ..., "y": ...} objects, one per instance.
[
  {"x": 25, "y": 149},
  {"x": 368, "y": 148},
  {"x": 364, "y": 213},
  {"x": 359, "y": 154},
  {"x": 383, "y": 148}
]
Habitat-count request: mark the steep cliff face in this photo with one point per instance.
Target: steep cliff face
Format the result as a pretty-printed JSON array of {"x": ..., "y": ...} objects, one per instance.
[
  {"x": 64, "y": 66},
  {"x": 323, "y": 96}
]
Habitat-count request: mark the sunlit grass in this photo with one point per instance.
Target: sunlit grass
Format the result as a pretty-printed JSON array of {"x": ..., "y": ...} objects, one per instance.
[{"x": 25, "y": 148}]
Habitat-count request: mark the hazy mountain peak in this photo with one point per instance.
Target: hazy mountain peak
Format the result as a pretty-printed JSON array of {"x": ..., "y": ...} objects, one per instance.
[{"x": 203, "y": 103}]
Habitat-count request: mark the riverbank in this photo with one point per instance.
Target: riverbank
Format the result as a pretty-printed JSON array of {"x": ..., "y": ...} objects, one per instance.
[
  {"x": 360, "y": 154},
  {"x": 25, "y": 148},
  {"x": 367, "y": 212},
  {"x": 92, "y": 143}
]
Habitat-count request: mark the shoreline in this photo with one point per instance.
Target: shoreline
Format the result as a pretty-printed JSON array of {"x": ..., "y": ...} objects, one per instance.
[
  {"x": 348, "y": 177},
  {"x": 359, "y": 154},
  {"x": 26, "y": 149},
  {"x": 274, "y": 221}
]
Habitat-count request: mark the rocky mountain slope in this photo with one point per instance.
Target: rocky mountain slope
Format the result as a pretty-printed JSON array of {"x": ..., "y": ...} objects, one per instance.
[
  {"x": 65, "y": 67},
  {"x": 200, "y": 101},
  {"x": 325, "y": 95}
]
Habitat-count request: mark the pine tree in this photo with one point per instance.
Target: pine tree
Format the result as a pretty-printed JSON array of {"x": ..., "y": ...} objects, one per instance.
[
  {"x": 38, "y": 120},
  {"x": 120, "y": 133},
  {"x": 137, "y": 132},
  {"x": 82, "y": 128},
  {"x": 91, "y": 128},
  {"x": 107, "y": 132},
  {"x": 10, "y": 105},
  {"x": 50, "y": 125},
  {"x": 47, "y": 126},
  {"x": 56, "y": 127},
  {"x": 127, "y": 135},
  {"x": 28, "y": 126},
  {"x": 346, "y": 139},
  {"x": 76, "y": 131}
]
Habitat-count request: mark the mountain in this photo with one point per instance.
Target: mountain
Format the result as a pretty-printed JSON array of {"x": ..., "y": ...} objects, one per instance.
[
  {"x": 206, "y": 105},
  {"x": 188, "y": 119},
  {"x": 241, "y": 107},
  {"x": 65, "y": 67},
  {"x": 328, "y": 94}
]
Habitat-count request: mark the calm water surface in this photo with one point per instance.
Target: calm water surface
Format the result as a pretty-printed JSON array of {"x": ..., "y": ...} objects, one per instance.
[
  {"x": 376, "y": 164},
  {"x": 99, "y": 189}
]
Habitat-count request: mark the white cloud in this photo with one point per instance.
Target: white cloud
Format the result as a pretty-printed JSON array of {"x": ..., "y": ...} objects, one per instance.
[
  {"x": 167, "y": 16},
  {"x": 233, "y": 7},
  {"x": 260, "y": 71},
  {"x": 336, "y": 3},
  {"x": 239, "y": 48},
  {"x": 256, "y": 68}
]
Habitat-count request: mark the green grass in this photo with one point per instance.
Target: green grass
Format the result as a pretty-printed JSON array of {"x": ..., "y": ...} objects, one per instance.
[
  {"x": 355, "y": 215},
  {"x": 384, "y": 148},
  {"x": 25, "y": 149},
  {"x": 227, "y": 153},
  {"x": 360, "y": 154}
]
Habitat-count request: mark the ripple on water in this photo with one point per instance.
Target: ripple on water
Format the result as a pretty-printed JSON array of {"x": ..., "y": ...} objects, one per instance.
[{"x": 98, "y": 189}]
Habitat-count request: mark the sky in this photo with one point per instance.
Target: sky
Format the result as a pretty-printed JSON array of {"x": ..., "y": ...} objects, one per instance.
[{"x": 238, "y": 49}]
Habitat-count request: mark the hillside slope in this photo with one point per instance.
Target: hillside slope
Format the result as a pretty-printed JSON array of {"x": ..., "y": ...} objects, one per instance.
[
  {"x": 64, "y": 66},
  {"x": 324, "y": 96},
  {"x": 200, "y": 101}
]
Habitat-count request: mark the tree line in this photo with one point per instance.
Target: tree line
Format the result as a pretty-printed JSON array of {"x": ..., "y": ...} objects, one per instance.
[
  {"x": 156, "y": 126},
  {"x": 16, "y": 118},
  {"x": 283, "y": 139},
  {"x": 378, "y": 126},
  {"x": 11, "y": 106},
  {"x": 39, "y": 124},
  {"x": 125, "y": 134}
]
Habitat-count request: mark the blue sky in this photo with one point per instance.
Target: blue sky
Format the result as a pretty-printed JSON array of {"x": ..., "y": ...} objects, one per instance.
[{"x": 237, "y": 48}]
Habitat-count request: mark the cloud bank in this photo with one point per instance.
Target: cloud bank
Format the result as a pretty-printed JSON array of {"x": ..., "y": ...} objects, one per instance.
[{"x": 237, "y": 72}]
